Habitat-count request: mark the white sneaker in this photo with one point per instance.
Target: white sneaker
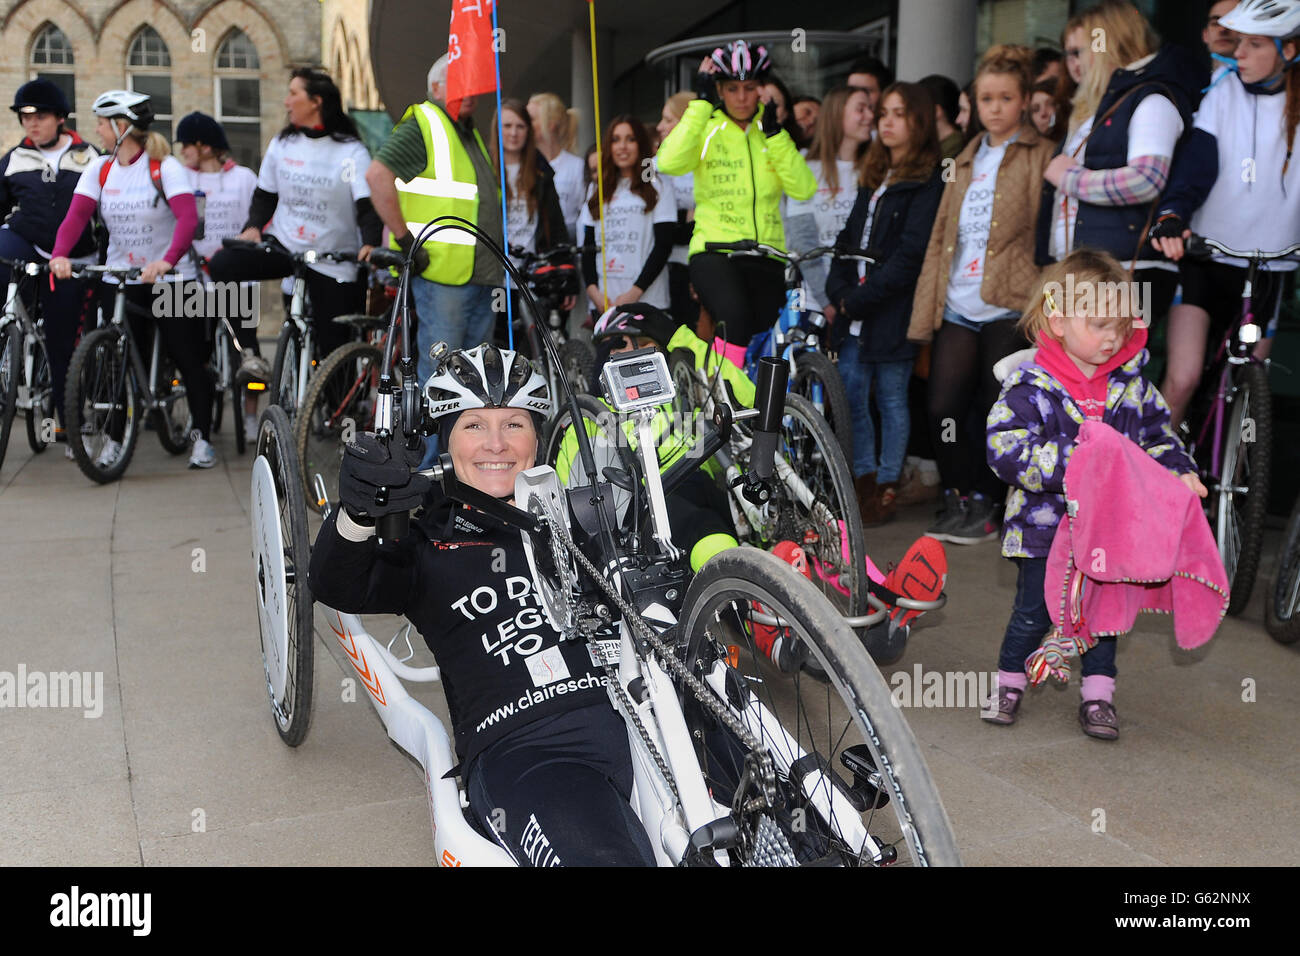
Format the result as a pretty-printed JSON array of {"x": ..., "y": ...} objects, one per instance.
[
  {"x": 67, "y": 453},
  {"x": 250, "y": 427},
  {"x": 202, "y": 455},
  {"x": 108, "y": 454}
]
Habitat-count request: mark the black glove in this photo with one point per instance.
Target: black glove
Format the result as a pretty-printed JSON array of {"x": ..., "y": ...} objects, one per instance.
[
  {"x": 771, "y": 125},
  {"x": 419, "y": 261},
  {"x": 368, "y": 466},
  {"x": 1169, "y": 226},
  {"x": 706, "y": 87}
]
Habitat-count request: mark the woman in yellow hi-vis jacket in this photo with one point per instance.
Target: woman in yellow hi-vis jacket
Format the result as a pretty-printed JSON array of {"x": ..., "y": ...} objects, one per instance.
[{"x": 743, "y": 162}]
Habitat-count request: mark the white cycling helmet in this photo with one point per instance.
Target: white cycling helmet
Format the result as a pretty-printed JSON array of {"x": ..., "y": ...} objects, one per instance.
[
  {"x": 1264, "y": 18},
  {"x": 127, "y": 104},
  {"x": 486, "y": 377}
]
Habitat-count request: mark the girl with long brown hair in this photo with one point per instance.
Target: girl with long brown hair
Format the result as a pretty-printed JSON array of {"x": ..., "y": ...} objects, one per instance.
[
  {"x": 534, "y": 219},
  {"x": 640, "y": 215},
  {"x": 900, "y": 190}
]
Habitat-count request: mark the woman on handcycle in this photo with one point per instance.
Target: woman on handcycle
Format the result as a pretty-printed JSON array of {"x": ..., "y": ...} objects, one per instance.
[
  {"x": 39, "y": 177},
  {"x": 544, "y": 757},
  {"x": 145, "y": 200},
  {"x": 1246, "y": 123},
  {"x": 311, "y": 194},
  {"x": 744, "y": 161}
]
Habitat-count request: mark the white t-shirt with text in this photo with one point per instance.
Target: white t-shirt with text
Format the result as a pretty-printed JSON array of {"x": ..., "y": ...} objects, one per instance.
[
  {"x": 973, "y": 237},
  {"x": 629, "y": 237},
  {"x": 227, "y": 196}
]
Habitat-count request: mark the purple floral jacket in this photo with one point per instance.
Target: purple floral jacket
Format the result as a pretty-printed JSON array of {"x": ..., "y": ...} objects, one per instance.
[{"x": 1032, "y": 430}]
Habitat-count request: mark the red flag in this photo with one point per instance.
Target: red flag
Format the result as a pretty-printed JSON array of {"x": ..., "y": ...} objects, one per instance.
[{"x": 471, "y": 69}]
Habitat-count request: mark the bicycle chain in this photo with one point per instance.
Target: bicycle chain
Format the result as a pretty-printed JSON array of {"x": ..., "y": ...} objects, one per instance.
[{"x": 763, "y": 769}]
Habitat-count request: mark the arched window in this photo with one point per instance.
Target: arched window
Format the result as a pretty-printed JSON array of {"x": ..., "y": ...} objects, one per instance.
[
  {"x": 52, "y": 60},
  {"x": 149, "y": 70},
  {"x": 237, "y": 92}
]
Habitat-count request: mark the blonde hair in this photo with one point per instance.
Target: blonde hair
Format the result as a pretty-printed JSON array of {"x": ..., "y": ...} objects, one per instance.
[
  {"x": 677, "y": 103},
  {"x": 152, "y": 142},
  {"x": 1092, "y": 270},
  {"x": 1124, "y": 35},
  {"x": 1009, "y": 59},
  {"x": 560, "y": 125}
]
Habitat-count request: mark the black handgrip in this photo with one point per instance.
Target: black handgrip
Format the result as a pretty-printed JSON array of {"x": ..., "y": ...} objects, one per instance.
[
  {"x": 230, "y": 242},
  {"x": 1194, "y": 247},
  {"x": 773, "y": 374},
  {"x": 387, "y": 258},
  {"x": 741, "y": 245},
  {"x": 391, "y": 527}
]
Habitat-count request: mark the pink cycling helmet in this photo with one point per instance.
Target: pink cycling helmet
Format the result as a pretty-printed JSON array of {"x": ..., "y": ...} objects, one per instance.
[{"x": 740, "y": 61}]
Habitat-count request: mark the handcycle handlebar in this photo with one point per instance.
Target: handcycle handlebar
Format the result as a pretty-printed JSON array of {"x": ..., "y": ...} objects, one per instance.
[{"x": 1202, "y": 247}]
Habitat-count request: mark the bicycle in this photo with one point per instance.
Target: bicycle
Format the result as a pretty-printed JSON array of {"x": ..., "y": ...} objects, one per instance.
[
  {"x": 1283, "y": 600},
  {"x": 296, "y": 349},
  {"x": 730, "y": 768},
  {"x": 25, "y": 381},
  {"x": 1229, "y": 430},
  {"x": 109, "y": 386},
  {"x": 796, "y": 336},
  {"x": 550, "y": 283}
]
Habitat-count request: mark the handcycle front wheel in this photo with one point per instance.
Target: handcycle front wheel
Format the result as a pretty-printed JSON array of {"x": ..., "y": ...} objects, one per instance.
[
  {"x": 1282, "y": 607},
  {"x": 101, "y": 398},
  {"x": 609, "y": 446},
  {"x": 851, "y": 785},
  {"x": 42, "y": 395},
  {"x": 11, "y": 344},
  {"x": 1239, "y": 496},
  {"x": 281, "y": 555},
  {"x": 340, "y": 401}
]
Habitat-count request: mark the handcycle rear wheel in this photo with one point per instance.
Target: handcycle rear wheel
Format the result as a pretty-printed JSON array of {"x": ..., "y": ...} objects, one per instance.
[
  {"x": 1236, "y": 517},
  {"x": 42, "y": 393},
  {"x": 100, "y": 390},
  {"x": 1282, "y": 607},
  {"x": 814, "y": 372},
  {"x": 341, "y": 398},
  {"x": 892, "y": 799},
  {"x": 281, "y": 551},
  {"x": 173, "y": 420},
  {"x": 11, "y": 344}
]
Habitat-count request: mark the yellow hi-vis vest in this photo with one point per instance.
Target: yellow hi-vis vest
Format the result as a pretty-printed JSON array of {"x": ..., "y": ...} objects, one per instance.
[{"x": 447, "y": 186}]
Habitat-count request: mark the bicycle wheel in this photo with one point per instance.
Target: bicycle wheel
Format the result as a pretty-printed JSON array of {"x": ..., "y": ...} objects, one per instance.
[
  {"x": 284, "y": 373},
  {"x": 609, "y": 447},
  {"x": 281, "y": 552},
  {"x": 1238, "y": 499},
  {"x": 340, "y": 403},
  {"x": 889, "y": 810},
  {"x": 1280, "y": 610},
  {"x": 578, "y": 361},
  {"x": 41, "y": 409},
  {"x": 815, "y": 506},
  {"x": 218, "y": 370},
  {"x": 689, "y": 393},
  {"x": 817, "y": 379},
  {"x": 173, "y": 420},
  {"x": 11, "y": 363},
  {"x": 100, "y": 398}
]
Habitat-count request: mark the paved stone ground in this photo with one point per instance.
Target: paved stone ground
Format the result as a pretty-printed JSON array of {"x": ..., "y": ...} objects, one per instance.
[{"x": 184, "y": 767}]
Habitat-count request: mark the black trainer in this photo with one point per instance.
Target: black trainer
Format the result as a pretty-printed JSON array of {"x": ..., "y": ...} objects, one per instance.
[
  {"x": 950, "y": 516},
  {"x": 981, "y": 522}
]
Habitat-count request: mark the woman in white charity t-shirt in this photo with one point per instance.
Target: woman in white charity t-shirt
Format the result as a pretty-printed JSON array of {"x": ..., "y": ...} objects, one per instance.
[
  {"x": 150, "y": 226},
  {"x": 311, "y": 194},
  {"x": 223, "y": 192},
  {"x": 640, "y": 215},
  {"x": 841, "y": 138}
]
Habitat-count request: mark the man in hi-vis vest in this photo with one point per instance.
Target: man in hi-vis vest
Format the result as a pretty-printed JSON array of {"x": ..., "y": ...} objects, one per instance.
[{"x": 432, "y": 166}]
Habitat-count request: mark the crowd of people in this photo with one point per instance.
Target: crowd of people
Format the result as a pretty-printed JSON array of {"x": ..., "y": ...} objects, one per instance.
[{"x": 1092, "y": 163}]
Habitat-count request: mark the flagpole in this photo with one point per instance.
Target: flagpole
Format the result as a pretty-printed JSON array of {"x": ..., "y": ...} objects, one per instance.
[
  {"x": 600, "y": 155},
  {"x": 501, "y": 163}
]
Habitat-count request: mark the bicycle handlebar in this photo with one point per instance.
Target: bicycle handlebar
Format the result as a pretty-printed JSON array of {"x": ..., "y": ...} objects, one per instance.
[
  {"x": 308, "y": 257},
  {"x": 749, "y": 247},
  {"x": 1202, "y": 247},
  {"x": 81, "y": 272}
]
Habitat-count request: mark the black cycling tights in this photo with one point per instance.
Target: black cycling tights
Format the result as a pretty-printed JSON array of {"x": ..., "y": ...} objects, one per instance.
[
  {"x": 744, "y": 295},
  {"x": 185, "y": 340},
  {"x": 962, "y": 390},
  {"x": 556, "y": 792}
]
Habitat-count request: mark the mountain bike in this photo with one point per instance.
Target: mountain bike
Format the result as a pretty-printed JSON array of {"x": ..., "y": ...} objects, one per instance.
[
  {"x": 110, "y": 391},
  {"x": 797, "y": 334},
  {"x": 296, "y": 349},
  {"x": 25, "y": 382},
  {"x": 1229, "y": 430},
  {"x": 734, "y": 762}
]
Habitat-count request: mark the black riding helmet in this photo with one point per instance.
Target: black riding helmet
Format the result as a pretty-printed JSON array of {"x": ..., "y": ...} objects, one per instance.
[{"x": 40, "y": 96}]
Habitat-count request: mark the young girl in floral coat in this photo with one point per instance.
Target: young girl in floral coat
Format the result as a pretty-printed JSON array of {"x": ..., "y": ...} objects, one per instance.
[{"x": 1088, "y": 365}]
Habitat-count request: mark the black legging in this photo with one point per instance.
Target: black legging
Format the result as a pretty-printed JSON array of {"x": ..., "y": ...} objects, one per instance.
[
  {"x": 329, "y": 297},
  {"x": 743, "y": 295},
  {"x": 185, "y": 340},
  {"x": 962, "y": 390}
]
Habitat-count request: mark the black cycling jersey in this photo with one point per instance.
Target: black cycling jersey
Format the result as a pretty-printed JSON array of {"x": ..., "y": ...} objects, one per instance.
[{"x": 461, "y": 577}]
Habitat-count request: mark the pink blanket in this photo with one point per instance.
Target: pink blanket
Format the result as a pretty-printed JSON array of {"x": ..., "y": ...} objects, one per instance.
[{"x": 1134, "y": 539}]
